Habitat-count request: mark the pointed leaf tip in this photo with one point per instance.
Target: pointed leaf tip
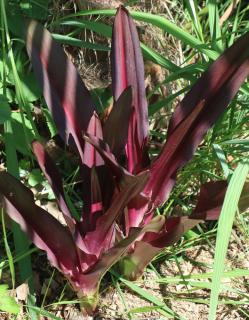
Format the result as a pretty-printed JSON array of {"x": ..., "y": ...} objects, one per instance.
[
  {"x": 197, "y": 112},
  {"x": 51, "y": 173},
  {"x": 65, "y": 93},
  {"x": 43, "y": 229},
  {"x": 128, "y": 70}
]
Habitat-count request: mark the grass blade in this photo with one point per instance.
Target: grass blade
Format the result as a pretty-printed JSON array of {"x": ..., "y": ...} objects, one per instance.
[
  {"x": 8, "y": 252},
  {"x": 224, "y": 231},
  {"x": 106, "y": 31},
  {"x": 214, "y": 25},
  {"x": 20, "y": 239},
  {"x": 192, "y": 10},
  {"x": 79, "y": 43},
  {"x": 159, "y": 22},
  {"x": 222, "y": 158},
  {"x": 163, "y": 308}
]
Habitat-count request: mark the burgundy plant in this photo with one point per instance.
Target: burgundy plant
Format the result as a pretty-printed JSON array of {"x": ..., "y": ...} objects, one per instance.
[{"x": 122, "y": 187}]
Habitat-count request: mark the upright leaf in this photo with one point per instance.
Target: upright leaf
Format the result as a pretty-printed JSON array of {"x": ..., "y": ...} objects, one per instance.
[
  {"x": 128, "y": 70},
  {"x": 197, "y": 112},
  {"x": 97, "y": 241},
  {"x": 64, "y": 91},
  {"x": 117, "y": 124}
]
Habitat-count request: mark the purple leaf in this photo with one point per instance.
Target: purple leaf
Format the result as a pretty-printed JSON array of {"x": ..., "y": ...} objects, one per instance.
[
  {"x": 53, "y": 176},
  {"x": 153, "y": 242},
  {"x": 91, "y": 157},
  {"x": 92, "y": 198},
  {"x": 139, "y": 204},
  {"x": 217, "y": 86},
  {"x": 128, "y": 70},
  {"x": 163, "y": 170},
  {"x": 97, "y": 241},
  {"x": 210, "y": 200},
  {"x": 43, "y": 229},
  {"x": 198, "y": 111},
  {"x": 94, "y": 176},
  {"x": 88, "y": 290},
  {"x": 208, "y": 207},
  {"x": 104, "y": 150},
  {"x": 116, "y": 126},
  {"x": 65, "y": 93}
]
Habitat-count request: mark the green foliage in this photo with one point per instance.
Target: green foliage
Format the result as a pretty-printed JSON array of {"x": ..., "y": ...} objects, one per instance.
[
  {"x": 35, "y": 178},
  {"x": 225, "y": 225},
  {"x": 7, "y": 303},
  {"x": 36, "y": 9},
  {"x": 5, "y": 111}
]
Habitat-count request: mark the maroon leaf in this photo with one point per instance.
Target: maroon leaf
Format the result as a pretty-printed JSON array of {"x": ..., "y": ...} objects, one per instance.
[
  {"x": 198, "y": 111},
  {"x": 244, "y": 198},
  {"x": 116, "y": 126},
  {"x": 43, "y": 229},
  {"x": 137, "y": 209},
  {"x": 93, "y": 172},
  {"x": 64, "y": 91},
  {"x": 91, "y": 157},
  {"x": 53, "y": 176},
  {"x": 128, "y": 70},
  {"x": 139, "y": 205},
  {"x": 88, "y": 292},
  {"x": 104, "y": 150},
  {"x": 97, "y": 241},
  {"x": 217, "y": 86},
  {"x": 92, "y": 198},
  {"x": 152, "y": 243},
  {"x": 89, "y": 287},
  {"x": 210, "y": 200},
  {"x": 163, "y": 170},
  {"x": 208, "y": 207}
]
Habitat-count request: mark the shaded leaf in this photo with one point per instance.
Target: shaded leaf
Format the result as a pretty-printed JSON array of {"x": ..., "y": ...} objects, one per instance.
[
  {"x": 5, "y": 111},
  {"x": 21, "y": 140},
  {"x": 128, "y": 70},
  {"x": 30, "y": 87},
  {"x": 116, "y": 127},
  {"x": 101, "y": 239},
  {"x": 210, "y": 200},
  {"x": 104, "y": 150},
  {"x": 43, "y": 229},
  {"x": 65, "y": 93},
  {"x": 197, "y": 112},
  {"x": 244, "y": 199},
  {"x": 53, "y": 176},
  {"x": 35, "y": 178}
]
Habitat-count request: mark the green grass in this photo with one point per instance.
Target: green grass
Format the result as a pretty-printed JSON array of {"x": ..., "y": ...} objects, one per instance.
[
  {"x": 20, "y": 239},
  {"x": 225, "y": 225}
]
